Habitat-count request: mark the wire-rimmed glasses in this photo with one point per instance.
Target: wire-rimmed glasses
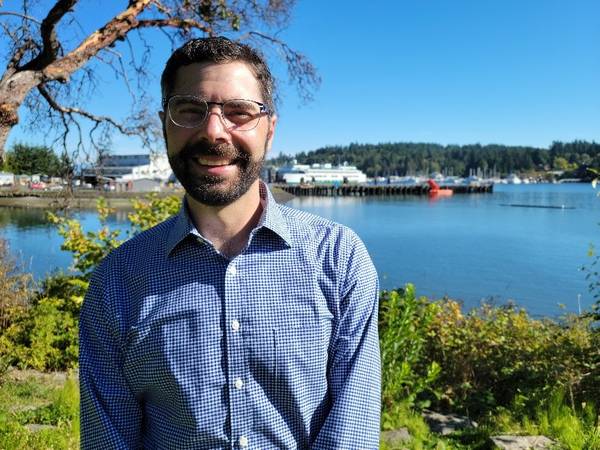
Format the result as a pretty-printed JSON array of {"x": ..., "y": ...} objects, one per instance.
[{"x": 188, "y": 111}]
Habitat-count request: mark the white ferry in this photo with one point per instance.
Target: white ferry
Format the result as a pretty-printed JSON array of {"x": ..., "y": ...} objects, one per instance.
[{"x": 320, "y": 174}]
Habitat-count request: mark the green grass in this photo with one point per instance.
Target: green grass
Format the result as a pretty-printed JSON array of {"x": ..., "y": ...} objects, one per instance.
[{"x": 34, "y": 398}]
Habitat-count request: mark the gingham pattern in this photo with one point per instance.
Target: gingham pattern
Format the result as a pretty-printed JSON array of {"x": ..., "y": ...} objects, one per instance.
[{"x": 181, "y": 348}]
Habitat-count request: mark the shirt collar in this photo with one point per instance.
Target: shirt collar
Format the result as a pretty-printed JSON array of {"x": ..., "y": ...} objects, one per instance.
[{"x": 271, "y": 218}]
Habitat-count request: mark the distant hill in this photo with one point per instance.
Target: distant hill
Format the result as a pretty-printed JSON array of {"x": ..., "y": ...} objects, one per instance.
[{"x": 408, "y": 158}]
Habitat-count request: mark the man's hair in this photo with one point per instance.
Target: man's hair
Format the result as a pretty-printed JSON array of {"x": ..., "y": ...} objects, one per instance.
[{"x": 218, "y": 50}]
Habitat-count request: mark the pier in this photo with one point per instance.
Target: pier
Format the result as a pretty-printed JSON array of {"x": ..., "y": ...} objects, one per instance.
[{"x": 363, "y": 190}]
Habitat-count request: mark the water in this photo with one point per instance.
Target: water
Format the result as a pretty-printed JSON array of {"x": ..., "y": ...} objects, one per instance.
[{"x": 468, "y": 247}]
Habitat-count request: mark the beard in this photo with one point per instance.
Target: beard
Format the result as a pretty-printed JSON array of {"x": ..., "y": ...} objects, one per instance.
[{"x": 215, "y": 190}]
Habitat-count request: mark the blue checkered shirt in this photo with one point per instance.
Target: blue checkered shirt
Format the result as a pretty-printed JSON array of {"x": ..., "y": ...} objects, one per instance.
[{"x": 277, "y": 348}]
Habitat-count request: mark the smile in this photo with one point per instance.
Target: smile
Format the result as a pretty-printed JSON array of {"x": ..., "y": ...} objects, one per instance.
[{"x": 213, "y": 161}]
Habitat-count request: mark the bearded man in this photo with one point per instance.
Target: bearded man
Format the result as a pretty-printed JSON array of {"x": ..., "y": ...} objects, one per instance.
[{"x": 238, "y": 323}]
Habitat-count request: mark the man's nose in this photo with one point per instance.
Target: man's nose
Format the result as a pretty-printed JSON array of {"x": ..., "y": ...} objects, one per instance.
[{"x": 214, "y": 128}]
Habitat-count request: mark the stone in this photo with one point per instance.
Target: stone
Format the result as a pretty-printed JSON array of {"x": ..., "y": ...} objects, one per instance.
[
  {"x": 395, "y": 438},
  {"x": 35, "y": 427},
  {"x": 445, "y": 424},
  {"x": 507, "y": 442}
]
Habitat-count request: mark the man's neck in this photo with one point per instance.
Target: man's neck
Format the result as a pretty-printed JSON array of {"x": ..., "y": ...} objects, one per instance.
[{"x": 228, "y": 227}]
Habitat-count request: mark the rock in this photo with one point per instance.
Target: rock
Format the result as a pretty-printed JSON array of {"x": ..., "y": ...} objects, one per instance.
[
  {"x": 395, "y": 438},
  {"x": 35, "y": 427},
  {"x": 507, "y": 442},
  {"x": 447, "y": 423}
]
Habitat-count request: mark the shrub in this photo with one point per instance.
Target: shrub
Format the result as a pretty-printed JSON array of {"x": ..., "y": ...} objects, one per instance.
[
  {"x": 403, "y": 323},
  {"x": 494, "y": 355},
  {"x": 44, "y": 335}
]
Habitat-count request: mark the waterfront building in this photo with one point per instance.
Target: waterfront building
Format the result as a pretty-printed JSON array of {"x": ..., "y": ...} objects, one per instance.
[{"x": 131, "y": 167}]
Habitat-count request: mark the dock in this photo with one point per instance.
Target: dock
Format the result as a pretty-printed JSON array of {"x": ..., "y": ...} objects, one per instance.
[{"x": 363, "y": 190}]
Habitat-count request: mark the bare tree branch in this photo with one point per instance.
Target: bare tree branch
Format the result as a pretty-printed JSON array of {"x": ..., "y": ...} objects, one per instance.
[
  {"x": 94, "y": 118},
  {"x": 22, "y": 16},
  {"x": 300, "y": 69},
  {"x": 185, "y": 24},
  {"x": 51, "y": 45}
]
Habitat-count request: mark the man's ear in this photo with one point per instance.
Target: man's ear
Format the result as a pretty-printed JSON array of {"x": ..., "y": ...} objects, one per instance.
[
  {"x": 271, "y": 131},
  {"x": 162, "y": 116}
]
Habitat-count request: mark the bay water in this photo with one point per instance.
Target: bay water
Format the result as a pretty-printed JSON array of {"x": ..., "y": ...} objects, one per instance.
[{"x": 522, "y": 243}]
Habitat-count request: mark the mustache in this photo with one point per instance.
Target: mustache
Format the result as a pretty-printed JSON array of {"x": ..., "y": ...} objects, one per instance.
[{"x": 204, "y": 148}]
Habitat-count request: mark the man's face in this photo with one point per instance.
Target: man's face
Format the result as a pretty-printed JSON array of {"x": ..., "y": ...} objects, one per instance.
[{"x": 215, "y": 165}]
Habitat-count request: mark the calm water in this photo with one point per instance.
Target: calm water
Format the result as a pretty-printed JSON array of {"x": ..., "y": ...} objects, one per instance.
[{"x": 469, "y": 247}]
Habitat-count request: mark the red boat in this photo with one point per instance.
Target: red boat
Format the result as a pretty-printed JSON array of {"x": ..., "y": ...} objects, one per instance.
[{"x": 434, "y": 190}]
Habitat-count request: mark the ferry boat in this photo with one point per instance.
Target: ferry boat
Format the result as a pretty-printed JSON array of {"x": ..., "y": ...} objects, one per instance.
[{"x": 320, "y": 174}]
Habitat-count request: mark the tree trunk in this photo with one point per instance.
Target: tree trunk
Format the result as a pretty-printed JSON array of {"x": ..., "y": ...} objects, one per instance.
[{"x": 14, "y": 87}]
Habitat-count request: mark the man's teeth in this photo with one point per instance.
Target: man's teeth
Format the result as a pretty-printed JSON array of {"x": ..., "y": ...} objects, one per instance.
[{"x": 210, "y": 162}]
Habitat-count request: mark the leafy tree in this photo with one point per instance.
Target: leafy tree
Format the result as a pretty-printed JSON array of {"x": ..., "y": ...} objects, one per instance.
[
  {"x": 51, "y": 63},
  {"x": 23, "y": 159}
]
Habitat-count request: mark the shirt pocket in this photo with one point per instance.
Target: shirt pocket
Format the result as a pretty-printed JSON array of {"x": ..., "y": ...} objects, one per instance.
[
  {"x": 301, "y": 352},
  {"x": 166, "y": 353}
]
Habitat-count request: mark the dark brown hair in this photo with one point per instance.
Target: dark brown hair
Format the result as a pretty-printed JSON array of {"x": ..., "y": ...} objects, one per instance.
[{"x": 218, "y": 50}]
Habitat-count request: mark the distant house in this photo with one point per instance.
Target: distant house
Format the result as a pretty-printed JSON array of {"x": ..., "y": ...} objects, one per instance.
[{"x": 7, "y": 179}]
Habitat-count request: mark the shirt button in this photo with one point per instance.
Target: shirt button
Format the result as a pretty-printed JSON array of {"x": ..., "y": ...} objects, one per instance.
[
  {"x": 243, "y": 441},
  {"x": 231, "y": 270},
  {"x": 239, "y": 383},
  {"x": 235, "y": 325}
]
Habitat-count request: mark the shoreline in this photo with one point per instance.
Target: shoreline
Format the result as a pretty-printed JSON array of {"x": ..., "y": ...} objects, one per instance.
[{"x": 87, "y": 199}]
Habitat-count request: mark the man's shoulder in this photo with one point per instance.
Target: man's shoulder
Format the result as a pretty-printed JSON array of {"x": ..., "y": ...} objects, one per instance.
[
  {"x": 305, "y": 226},
  {"x": 297, "y": 218}
]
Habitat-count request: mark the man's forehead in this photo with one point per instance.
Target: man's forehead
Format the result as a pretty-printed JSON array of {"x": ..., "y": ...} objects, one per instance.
[{"x": 228, "y": 76}]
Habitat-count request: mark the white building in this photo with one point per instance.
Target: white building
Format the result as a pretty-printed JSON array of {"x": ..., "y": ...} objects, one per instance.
[
  {"x": 123, "y": 168},
  {"x": 7, "y": 179},
  {"x": 321, "y": 174}
]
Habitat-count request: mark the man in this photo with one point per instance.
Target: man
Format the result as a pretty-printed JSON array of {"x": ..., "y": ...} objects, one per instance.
[{"x": 239, "y": 323}]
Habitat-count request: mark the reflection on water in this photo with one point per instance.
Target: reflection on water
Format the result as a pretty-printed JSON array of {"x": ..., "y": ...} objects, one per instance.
[
  {"x": 35, "y": 242},
  {"x": 23, "y": 218}
]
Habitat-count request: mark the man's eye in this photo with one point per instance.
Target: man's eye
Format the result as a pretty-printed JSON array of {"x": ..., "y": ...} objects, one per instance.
[
  {"x": 190, "y": 109},
  {"x": 241, "y": 111}
]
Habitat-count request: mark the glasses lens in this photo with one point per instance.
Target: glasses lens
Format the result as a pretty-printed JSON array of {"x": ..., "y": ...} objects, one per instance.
[
  {"x": 241, "y": 115},
  {"x": 186, "y": 111}
]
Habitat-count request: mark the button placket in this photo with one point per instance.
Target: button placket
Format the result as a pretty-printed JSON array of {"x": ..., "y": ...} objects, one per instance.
[{"x": 236, "y": 353}]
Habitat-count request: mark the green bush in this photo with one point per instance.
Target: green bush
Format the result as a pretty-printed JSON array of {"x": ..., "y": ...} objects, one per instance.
[
  {"x": 44, "y": 335},
  {"x": 403, "y": 323},
  {"x": 493, "y": 355}
]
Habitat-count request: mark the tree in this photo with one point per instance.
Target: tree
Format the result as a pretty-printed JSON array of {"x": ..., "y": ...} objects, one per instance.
[
  {"x": 25, "y": 159},
  {"x": 50, "y": 64}
]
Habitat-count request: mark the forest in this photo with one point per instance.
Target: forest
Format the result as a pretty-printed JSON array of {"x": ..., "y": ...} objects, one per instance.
[{"x": 571, "y": 160}]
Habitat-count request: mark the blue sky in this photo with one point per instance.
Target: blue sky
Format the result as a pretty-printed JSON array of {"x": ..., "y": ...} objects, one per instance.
[{"x": 448, "y": 71}]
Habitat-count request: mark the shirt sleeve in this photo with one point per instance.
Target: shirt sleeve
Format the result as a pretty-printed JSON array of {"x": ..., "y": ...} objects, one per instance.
[
  {"x": 354, "y": 376},
  {"x": 110, "y": 414}
]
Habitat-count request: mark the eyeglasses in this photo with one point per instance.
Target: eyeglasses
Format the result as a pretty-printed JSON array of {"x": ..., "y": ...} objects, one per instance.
[{"x": 188, "y": 111}]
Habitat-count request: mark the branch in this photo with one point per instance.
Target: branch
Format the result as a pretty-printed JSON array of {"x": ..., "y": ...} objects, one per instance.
[
  {"x": 48, "y": 32},
  {"x": 300, "y": 68},
  {"x": 116, "y": 29},
  {"x": 94, "y": 118},
  {"x": 29, "y": 44},
  {"x": 22, "y": 16},
  {"x": 185, "y": 24}
]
